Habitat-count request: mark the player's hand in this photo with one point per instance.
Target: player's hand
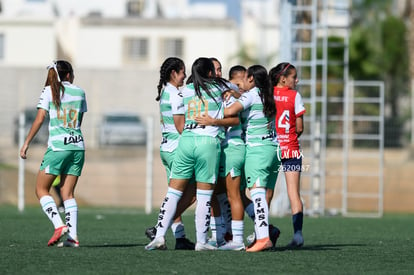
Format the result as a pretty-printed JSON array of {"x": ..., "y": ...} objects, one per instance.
[
  {"x": 230, "y": 93},
  {"x": 23, "y": 151},
  {"x": 204, "y": 120}
]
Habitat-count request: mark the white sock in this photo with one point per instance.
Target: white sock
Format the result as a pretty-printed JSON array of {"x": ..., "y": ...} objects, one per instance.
[
  {"x": 178, "y": 230},
  {"x": 250, "y": 211},
  {"x": 50, "y": 209},
  {"x": 237, "y": 231},
  {"x": 71, "y": 217},
  {"x": 203, "y": 214},
  {"x": 261, "y": 210},
  {"x": 225, "y": 211},
  {"x": 167, "y": 211},
  {"x": 213, "y": 229}
]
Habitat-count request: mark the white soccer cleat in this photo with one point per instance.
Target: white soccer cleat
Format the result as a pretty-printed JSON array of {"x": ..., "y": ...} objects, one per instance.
[
  {"x": 157, "y": 243},
  {"x": 212, "y": 241},
  {"x": 204, "y": 247},
  {"x": 234, "y": 246},
  {"x": 251, "y": 238},
  {"x": 69, "y": 243}
]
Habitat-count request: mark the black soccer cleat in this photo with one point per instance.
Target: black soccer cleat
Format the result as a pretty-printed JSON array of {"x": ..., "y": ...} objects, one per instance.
[
  {"x": 184, "y": 244},
  {"x": 274, "y": 234},
  {"x": 151, "y": 232}
]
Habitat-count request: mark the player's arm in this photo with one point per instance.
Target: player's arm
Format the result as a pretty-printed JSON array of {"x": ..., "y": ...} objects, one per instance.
[
  {"x": 204, "y": 120},
  {"x": 37, "y": 123},
  {"x": 299, "y": 125},
  {"x": 179, "y": 121},
  {"x": 233, "y": 109},
  {"x": 230, "y": 93}
]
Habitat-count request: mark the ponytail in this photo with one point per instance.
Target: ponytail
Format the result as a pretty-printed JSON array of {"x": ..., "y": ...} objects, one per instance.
[
  {"x": 261, "y": 81},
  {"x": 57, "y": 72}
]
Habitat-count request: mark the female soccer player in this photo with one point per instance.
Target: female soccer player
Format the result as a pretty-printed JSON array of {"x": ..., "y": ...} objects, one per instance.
[
  {"x": 289, "y": 126},
  {"x": 65, "y": 104},
  {"x": 172, "y": 75},
  {"x": 198, "y": 153},
  {"x": 231, "y": 166},
  {"x": 261, "y": 147}
]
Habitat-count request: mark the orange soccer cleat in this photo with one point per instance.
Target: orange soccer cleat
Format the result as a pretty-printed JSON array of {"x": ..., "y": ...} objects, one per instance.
[{"x": 260, "y": 245}]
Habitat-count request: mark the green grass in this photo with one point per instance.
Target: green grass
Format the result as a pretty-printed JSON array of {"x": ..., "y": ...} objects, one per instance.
[{"x": 112, "y": 242}]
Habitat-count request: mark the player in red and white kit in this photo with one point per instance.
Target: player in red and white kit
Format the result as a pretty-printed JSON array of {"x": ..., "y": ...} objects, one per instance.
[{"x": 289, "y": 126}]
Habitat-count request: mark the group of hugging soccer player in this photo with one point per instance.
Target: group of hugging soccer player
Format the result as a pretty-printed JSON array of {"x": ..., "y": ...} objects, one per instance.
[{"x": 219, "y": 138}]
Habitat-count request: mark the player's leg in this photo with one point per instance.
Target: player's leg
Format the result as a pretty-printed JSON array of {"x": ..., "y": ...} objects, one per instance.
[
  {"x": 274, "y": 231},
  {"x": 207, "y": 155},
  {"x": 167, "y": 212},
  {"x": 202, "y": 215},
  {"x": 43, "y": 183},
  {"x": 292, "y": 182},
  {"x": 237, "y": 213},
  {"x": 292, "y": 175},
  {"x": 69, "y": 178},
  {"x": 68, "y": 184},
  {"x": 182, "y": 171},
  {"x": 259, "y": 177},
  {"x": 217, "y": 227},
  {"x": 177, "y": 227},
  {"x": 44, "y": 180},
  {"x": 225, "y": 211},
  {"x": 219, "y": 207}
]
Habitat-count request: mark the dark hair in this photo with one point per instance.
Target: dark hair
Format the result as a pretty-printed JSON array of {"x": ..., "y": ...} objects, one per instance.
[
  {"x": 202, "y": 74},
  {"x": 261, "y": 81},
  {"x": 58, "y": 72},
  {"x": 215, "y": 59},
  {"x": 170, "y": 64},
  {"x": 235, "y": 69},
  {"x": 281, "y": 69}
]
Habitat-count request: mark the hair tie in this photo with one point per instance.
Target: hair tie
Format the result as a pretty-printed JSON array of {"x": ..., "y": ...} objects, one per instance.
[
  {"x": 284, "y": 70},
  {"x": 53, "y": 66}
]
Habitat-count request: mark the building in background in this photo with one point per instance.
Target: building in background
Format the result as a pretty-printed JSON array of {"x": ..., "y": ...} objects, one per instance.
[{"x": 117, "y": 46}]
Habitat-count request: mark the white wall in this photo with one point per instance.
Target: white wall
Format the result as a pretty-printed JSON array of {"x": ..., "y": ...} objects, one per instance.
[
  {"x": 100, "y": 45},
  {"x": 28, "y": 42}
]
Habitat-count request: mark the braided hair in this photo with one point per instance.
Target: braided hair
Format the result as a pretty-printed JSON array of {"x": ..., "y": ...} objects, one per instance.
[
  {"x": 57, "y": 72},
  {"x": 169, "y": 65}
]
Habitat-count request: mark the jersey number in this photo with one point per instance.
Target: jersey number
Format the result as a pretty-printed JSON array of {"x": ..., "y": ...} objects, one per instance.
[
  {"x": 195, "y": 108},
  {"x": 69, "y": 117},
  {"x": 283, "y": 121}
]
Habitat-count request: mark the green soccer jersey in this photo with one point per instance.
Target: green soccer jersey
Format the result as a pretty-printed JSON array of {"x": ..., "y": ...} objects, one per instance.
[
  {"x": 260, "y": 130},
  {"x": 64, "y": 126},
  {"x": 194, "y": 106},
  {"x": 171, "y": 103}
]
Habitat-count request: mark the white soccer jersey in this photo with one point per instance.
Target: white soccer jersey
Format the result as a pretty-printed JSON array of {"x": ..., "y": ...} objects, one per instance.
[
  {"x": 171, "y": 103},
  {"x": 64, "y": 125},
  {"x": 234, "y": 134},
  {"x": 260, "y": 129},
  {"x": 194, "y": 106}
]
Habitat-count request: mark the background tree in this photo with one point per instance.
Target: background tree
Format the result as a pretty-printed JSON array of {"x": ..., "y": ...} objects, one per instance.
[{"x": 379, "y": 51}]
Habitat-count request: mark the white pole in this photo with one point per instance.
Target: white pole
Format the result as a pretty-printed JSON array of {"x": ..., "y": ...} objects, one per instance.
[
  {"x": 412, "y": 113},
  {"x": 20, "y": 186},
  {"x": 150, "y": 158}
]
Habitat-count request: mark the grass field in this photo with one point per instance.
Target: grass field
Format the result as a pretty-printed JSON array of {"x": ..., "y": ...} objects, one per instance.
[{"x": 112, "y": 242}]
